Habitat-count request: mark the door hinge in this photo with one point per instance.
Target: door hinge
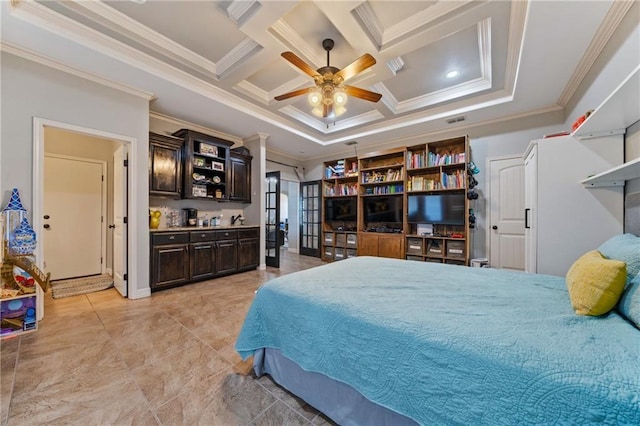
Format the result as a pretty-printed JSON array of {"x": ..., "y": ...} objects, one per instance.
[
  {"x": 101, "y": 219},
  {"x": 125, "y": 277},
  {"x": 103, "y": 178},
  {"x": 126, "y": 163},
  {"x": 125, "y": 220},
  {"x": 101, "y": 261}
]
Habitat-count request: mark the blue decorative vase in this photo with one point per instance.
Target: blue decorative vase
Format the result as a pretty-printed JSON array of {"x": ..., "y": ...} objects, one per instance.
[{"x": 23, "y": 239}]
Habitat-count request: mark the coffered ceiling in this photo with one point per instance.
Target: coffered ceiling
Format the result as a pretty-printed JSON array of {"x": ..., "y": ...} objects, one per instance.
[{"x": 218, "y": 63}]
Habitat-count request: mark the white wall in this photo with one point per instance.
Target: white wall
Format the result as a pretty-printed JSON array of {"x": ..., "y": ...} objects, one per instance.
[{"x": 31, "y": 90}]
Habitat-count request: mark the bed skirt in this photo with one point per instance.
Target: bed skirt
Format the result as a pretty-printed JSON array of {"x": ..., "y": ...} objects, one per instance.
[{"x": 338, "y": 401}]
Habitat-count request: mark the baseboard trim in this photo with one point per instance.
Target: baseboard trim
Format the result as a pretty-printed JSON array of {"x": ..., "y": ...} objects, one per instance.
[{"x": 141, "y": 293}]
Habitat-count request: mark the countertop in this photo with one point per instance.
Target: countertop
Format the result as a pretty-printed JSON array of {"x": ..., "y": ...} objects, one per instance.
[{"x": 202, "y": 228}]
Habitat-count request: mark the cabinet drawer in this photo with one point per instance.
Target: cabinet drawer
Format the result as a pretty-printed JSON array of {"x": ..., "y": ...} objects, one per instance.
[
  {"x": 455, "y": 249},
  {"x": 341, "y": 240},
  {"x": 352, "y": 240},
  {"x": 328, "y": 238},
  {"x": 339, "y": 254},
  {"x": 352, "y": 252},
  {"x": 169, "y": 238},
  {"x": 230, "y": 234},
  {"x": 328, "y": 253},
  {"x": 201, "y": 236},
  {"x": 414, "y": 245},
  {"x": 416, "y": 258},
  {"x": 249, "y": 233}
]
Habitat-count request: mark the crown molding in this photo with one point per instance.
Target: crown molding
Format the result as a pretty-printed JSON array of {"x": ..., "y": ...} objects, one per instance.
[
  {"x": 56, "y": 23},
  {"x": 51, "y": 63},
  {"x": 395, "y": 64},
  {"x": 383, "y": 36},
  {"x": 515, "y": 41},
  {"x": 239, "y": 11},
  {"x": 247, "y": 88},
  {"x": 117, "y": 21},
  {"x": 184, "y": 124},
  {"x": 614, "y": 16},
  {"x": 484, "y": 82},
  {"x": 370, "y": 21},
  {"x": 240, "y": 52},
  {"x": 290, "y": 37}
]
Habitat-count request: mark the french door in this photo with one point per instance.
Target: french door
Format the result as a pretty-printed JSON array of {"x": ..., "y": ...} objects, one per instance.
[
  {"x": 272, "y": 225},
  {"x": 310, "y": 218}
]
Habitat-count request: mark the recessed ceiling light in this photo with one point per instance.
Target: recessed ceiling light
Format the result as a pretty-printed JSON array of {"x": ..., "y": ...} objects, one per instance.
[{"x": 452, "y": 74}]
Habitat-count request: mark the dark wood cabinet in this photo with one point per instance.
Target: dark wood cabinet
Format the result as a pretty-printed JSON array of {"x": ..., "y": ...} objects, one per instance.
[
  {"x": 240, "y": 175},
  {"x": 248, "y": 248},
  {"x": 182, "y": 257},
  {"x": 226, "y": 251},
  {"x": 202, "y": 255},
  {"x": 169, "y": 259},
  {"x": 206, "y": 166},
  {"x": 165, "y": 166}
]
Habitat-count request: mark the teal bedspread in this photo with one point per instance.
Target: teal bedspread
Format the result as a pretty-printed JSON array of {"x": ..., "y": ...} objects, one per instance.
[{"x": 447, "y": 344}]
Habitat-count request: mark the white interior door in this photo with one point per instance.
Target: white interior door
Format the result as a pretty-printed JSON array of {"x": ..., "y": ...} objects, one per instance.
[
  {"x": 506, "y": 198},
  {"x": 119, "y": 225},
  {"x": 73, "y": 210}
]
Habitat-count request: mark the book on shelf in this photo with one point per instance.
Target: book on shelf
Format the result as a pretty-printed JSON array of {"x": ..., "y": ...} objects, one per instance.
[
  {"x": 416, "y": 159},
  {"x": 438, "y": 159}
]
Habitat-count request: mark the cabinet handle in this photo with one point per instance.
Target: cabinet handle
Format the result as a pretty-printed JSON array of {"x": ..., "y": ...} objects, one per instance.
[
  {"x": 171, "y": 237},
  {"x": 526, "y": 218},
  {"x": 203, "y": 235}
]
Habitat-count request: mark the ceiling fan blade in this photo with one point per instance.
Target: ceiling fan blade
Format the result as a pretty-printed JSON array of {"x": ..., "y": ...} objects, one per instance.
[
  {"x": 367, "y": 95},
  {"x": 362, "y": 63},
  {"x": 293, "y": 94},
  {"x": 299, "y": 63}
]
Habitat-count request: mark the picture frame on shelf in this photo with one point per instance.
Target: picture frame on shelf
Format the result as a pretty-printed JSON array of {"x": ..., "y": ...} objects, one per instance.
[
  {"x": 217, "y": 166},
  {"x": 199, "y": 162},
  {"x": 208, "y": 149}
]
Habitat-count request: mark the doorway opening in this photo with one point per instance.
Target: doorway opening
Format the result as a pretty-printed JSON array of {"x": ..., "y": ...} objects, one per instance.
[{"x": 80, "y": 199}]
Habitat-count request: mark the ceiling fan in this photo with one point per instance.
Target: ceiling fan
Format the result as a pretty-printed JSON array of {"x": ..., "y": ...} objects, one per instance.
[{"x": 330, "y": 94}]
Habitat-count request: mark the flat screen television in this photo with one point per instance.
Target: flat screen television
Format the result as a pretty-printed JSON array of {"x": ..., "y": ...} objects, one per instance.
[
  {"x": 341, "y": 209},
  {"x": 387, "y": 209},
  {"x": 437, "y": 209}
]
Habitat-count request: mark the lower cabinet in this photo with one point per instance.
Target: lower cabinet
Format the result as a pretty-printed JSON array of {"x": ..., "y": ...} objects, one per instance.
[
  {"x": 169, "y": 259},
  {"x": 381, "y": 245},
  {"x": 187, "y": 256},
  {"x": 227, "y": 256},
  {"x": 248, "y": 249},
  {"x": 202, "y": 259}
]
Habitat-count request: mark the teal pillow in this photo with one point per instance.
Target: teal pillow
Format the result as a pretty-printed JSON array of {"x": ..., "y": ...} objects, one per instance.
[
  {"x": 626, "y": 248},
  {"x": 629, "y": 304}
]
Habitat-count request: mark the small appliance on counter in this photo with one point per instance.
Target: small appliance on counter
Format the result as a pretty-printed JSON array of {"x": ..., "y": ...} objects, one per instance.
[{"x": 190, "y": 217}]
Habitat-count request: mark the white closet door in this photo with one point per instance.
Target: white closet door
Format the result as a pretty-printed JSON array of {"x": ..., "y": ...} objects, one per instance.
[{"x": 531, "y": 210}]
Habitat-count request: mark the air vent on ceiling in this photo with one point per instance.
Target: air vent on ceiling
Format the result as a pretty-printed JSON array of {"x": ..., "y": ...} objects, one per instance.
[{"x": 456, "y": 119}]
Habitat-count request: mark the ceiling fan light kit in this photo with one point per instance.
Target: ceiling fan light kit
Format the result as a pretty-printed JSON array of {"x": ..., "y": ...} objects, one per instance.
[{"x": 330, "y": 95}]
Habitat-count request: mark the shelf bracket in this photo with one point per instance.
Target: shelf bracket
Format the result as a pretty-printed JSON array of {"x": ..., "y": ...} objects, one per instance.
[{"x": 601, "y": 184}]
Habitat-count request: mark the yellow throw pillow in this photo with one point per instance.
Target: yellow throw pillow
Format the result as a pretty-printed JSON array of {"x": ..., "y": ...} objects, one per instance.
[{"x": 595, "y": 283}]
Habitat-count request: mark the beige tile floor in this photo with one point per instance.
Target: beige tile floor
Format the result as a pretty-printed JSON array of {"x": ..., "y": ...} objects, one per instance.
[{"x": 99, "y": 359}]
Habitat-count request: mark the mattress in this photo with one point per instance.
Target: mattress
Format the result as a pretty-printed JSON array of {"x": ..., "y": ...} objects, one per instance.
[{"x": 449, "y": 344}]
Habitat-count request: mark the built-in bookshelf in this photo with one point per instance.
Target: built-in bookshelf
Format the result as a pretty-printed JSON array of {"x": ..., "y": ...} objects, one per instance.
[
  {"x": 379, "y": 186},
  {"x": 437, "y": 173},
  {"x": 339, "y": 215}
]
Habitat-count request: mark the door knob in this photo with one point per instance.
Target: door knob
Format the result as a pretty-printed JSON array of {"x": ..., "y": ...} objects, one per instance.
[
  {"x": 46, "y": 226},
  {"x": 494, "y": 227},
  {"x": 46, "y": 216},
  {"x": 111, "y": 226}
]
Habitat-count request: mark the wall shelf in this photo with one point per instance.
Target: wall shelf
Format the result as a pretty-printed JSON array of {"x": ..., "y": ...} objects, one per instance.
[
  {"x": 617, "y": 112},
  {"x": 615, "y": 176}
]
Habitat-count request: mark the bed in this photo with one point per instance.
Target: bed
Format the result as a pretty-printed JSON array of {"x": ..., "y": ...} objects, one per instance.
[{"x": 384, "y": 341}]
